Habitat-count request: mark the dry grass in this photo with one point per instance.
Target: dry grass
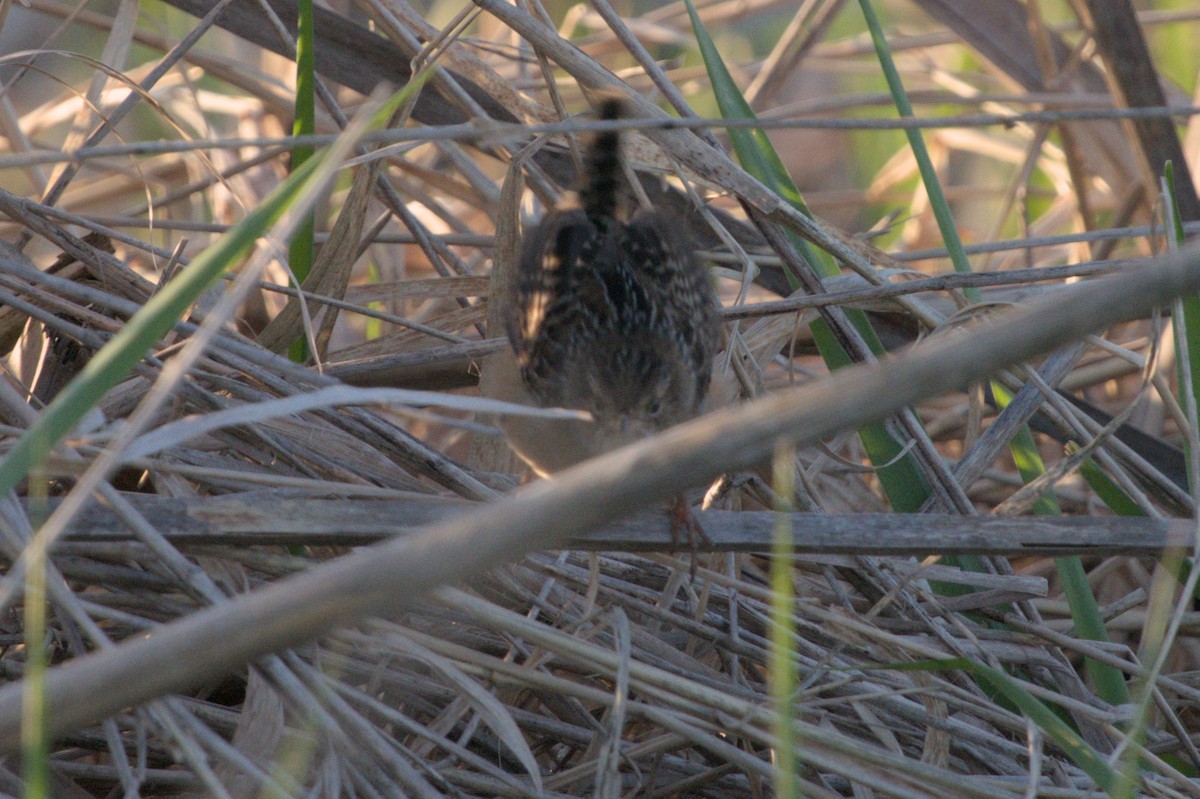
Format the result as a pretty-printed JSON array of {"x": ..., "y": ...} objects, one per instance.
[{"x": 573, "y": 673}]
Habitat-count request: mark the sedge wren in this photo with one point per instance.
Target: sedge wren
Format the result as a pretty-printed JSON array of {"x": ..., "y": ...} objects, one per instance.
[{"x": 611, "y": 314}]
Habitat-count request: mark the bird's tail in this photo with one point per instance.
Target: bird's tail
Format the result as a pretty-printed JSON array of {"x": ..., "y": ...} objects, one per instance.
[{"x": 601, "y": 184}]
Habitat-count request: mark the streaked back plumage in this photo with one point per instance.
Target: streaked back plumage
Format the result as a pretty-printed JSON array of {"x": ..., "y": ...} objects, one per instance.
[{"x": 611, "y": 316}]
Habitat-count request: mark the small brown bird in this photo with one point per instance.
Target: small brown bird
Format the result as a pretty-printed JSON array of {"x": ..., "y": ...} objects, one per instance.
[{"x": 611, "y": 314}]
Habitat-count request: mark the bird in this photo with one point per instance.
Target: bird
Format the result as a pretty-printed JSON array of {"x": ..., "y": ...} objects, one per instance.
[{"x": 611, "y": 313}]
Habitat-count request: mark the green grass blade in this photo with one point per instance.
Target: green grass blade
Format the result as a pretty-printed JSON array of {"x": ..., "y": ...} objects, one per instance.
[
  {"x": 1110, "y": 683},
  {"x": 300, "y": 249},
  {"x": 114, "y": 361},
  {"x": 781, "y": 666},
  {"x": 1085, "y": 612},
  {"x": 1049, "y": 722},
  {"x": 1187, "y": 328},
  {"x": 35, "y": 745},
  {"x": 754, "y": 149},
  {"x": 916, "y": 141},
  {"x": 1089, "y": 624},
  {"x": 1109, "y": 492},
  {"x": 1051, "y": 725},
  {"x": 898, "y": 474},
  {"x": 1155, "y": 636},
  {"x": 901, "y": 479}
]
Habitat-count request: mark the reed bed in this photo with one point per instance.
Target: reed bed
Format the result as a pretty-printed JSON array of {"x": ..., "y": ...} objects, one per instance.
[{"x": 142, "y": 147}]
